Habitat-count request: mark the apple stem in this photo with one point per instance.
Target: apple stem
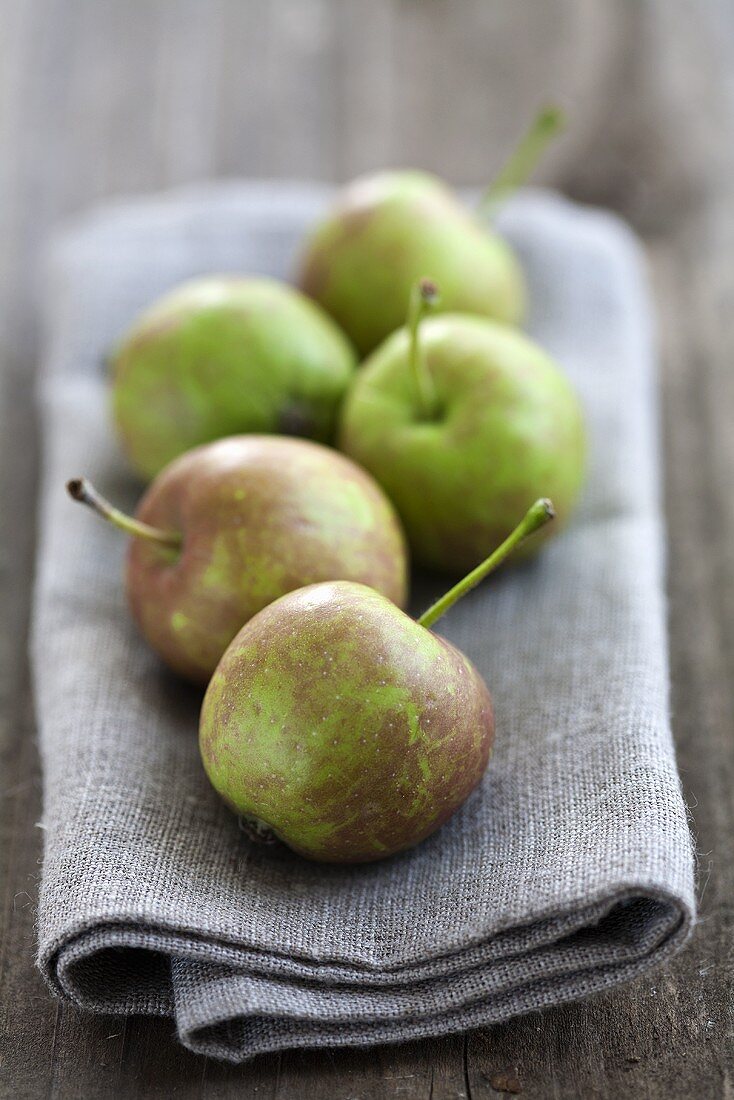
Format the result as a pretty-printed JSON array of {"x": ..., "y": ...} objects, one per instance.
[
  {"x": 423, "y": 297},
  {"x": 540, "y": 513},
  {"x": 519, "y": 166},
  {"x": 82, "y": 490}
]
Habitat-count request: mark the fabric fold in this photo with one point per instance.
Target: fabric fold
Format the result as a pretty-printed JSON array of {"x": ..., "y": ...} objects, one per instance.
[{"x": 568, "y": 870}]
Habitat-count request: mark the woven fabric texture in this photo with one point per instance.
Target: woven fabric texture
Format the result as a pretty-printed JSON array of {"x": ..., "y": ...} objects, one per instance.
[{"x": 568, "y": 870}]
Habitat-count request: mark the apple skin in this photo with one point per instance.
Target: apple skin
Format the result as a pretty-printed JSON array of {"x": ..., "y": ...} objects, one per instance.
[
  {"x": 260, "y": 516},
  {"x": 224, "y": 355},
  {"x": 507, "y": 429},
  {"x": 390, "y": 229},
  {"x": 343, "y": 726}
]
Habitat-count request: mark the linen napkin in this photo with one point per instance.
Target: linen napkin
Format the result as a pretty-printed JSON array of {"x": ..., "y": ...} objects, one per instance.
[{"x": 568, "y": 870}]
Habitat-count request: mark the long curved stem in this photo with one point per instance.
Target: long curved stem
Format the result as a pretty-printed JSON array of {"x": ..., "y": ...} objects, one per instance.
[
  {"x": 82, "y": 490},
  {"x": 521, "y": 163},
  {"x": 540, "y": 513},
  {"x": 423, "y": 296}
]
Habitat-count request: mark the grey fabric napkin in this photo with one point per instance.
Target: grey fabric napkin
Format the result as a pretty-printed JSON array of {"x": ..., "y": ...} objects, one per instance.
[{"x": 571, "y": 867}]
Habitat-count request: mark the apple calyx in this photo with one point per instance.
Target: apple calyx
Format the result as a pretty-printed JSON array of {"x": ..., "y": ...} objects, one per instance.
[
  {"x": 256, "y": 830},
  {"x": 82, "y": 490},
  {"x": 423, "y": 297},
  {"x": 537, "y": 516},
  {"x": 521, "y": 163}
]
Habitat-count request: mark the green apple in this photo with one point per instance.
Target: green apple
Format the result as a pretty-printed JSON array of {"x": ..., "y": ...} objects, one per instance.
[
  {"x": 225, "y": 355},
  {"x": 463, "y": 423},
  {"x": 341, "y": 726},
  {"x": 230, "y": 526},
  {"x": 390, "y": 228}
]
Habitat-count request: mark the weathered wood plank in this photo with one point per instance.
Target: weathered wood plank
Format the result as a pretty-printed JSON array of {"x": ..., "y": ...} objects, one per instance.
[{"x": 27, "y": 1018}]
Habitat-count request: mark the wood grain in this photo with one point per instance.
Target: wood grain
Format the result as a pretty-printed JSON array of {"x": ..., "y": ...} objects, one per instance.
[{"x": 104, "y": 96}]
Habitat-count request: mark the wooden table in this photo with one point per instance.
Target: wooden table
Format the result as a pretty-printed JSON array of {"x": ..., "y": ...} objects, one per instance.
[{"x": 108, "y": 96}]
